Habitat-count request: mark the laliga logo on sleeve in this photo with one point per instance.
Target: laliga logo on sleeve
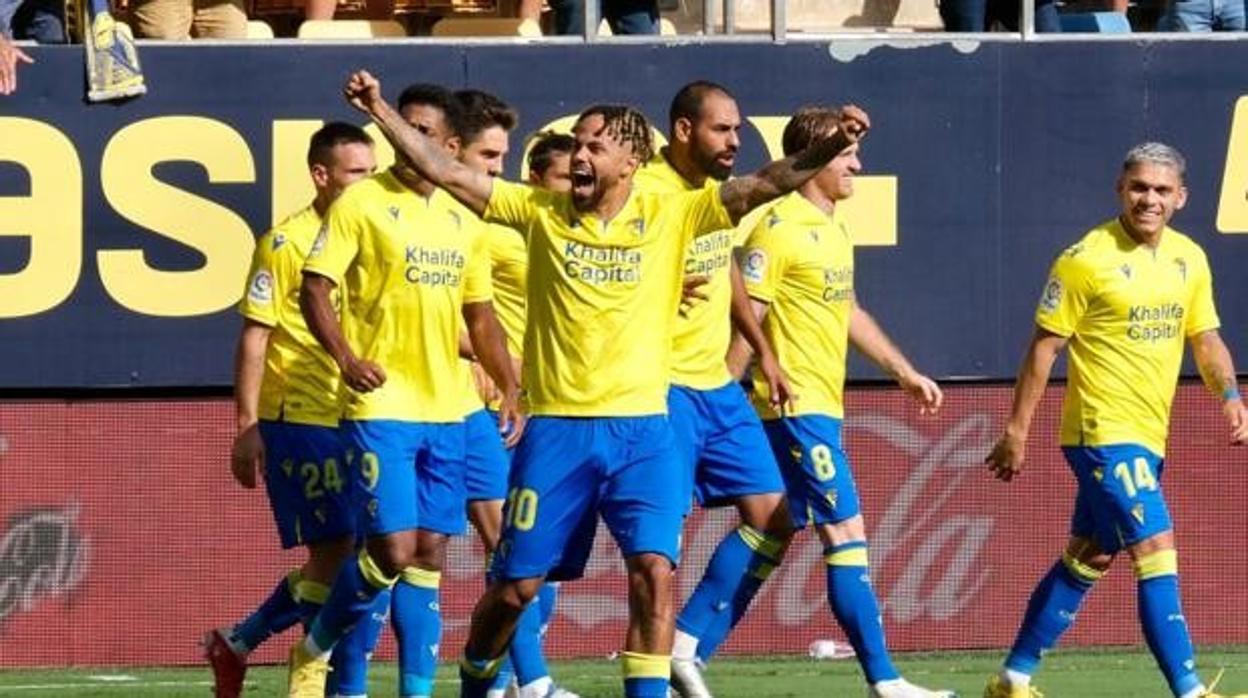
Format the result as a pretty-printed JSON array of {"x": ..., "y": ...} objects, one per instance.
[
  {"x": 754, "y": 265},
  {"x": 1052, "y": 296},
  {"x": 260, "y": 289}
]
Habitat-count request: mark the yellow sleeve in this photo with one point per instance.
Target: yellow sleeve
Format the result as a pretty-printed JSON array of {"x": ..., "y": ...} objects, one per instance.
[
  {"x": 512, "y": 204},
  {"x": 1066, "y": 295},
  {"x": 764, "y": 260},
  {"x": 704, "y": 212},
  {"x": 478, "y": 286},
  {"x": 263, "y": 292},
  {"x": 338, "y": 241},
  {"x": 1202, "y": 315}
]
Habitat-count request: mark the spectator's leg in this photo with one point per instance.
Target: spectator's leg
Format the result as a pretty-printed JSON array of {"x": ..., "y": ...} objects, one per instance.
[
  {"x": 220, "y": 19},
  {"x": 1187, "y": 16},
  {"x": 569, "y": 16},
  {"x": 964, "y": 15},
  {"x": 8, "y": 8},
  {"x": 162, "y": 19},
  {"x": 529, "y": 9},
  {"x": 1047, "y": 19},
  {"x": 632, "y": 16},
  {"x": 1231, "y": 15},
  {"x": 319, "y": 9}
]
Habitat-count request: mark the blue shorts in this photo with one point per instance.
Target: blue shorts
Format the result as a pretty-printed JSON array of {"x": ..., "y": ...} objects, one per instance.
[
  {"x": 306, "y": 475},
  {"x": 566, "y": 471},
  {"x": 486, "y": 460},
  {"x": 1119, "y": 502},
  {"x": 410, "y": 475},
  {"x": 817, "y": 476},
  {"x": 722, "y": 444}
]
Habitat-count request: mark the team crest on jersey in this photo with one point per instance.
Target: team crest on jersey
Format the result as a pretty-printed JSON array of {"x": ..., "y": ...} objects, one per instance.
[
  {"x": 814, "y": 235},
  {"x": 260, "y": 290},
  {"x": 1181, "y": 264},
  {"x": 394, "y": 213},
  {"x": 754, "y": 265},
  {"x": 1052, "y": 296},
  {"x": 773, "y": 219},
  {"x": 1126, "y": 271},
  {"x": 318, "y": 245},
  {"x": 459, "y": 223},
  {"x": 278, "y": 241},
  {"x": 639, "y": 226}
]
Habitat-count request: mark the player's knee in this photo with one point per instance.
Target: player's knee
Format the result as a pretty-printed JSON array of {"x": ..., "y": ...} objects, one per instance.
[
  {"x": 650, "y": 579},
  {"x": 325, "y": 557},
  {"x": 1084, "y": 557},
  {"x": 852, "y": 530},
  {"x": 393, "y": 553},
  {"x": 516, "y": 594},
  {"x": 1154, "y": 556},
  {"x": 430, "y": 550}
]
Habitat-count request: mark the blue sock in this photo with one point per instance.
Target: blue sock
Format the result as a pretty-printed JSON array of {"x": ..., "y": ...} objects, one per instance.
[
  {"x": 1051, "y": 610},
  {"x": 741, "y": 563},
  {"x": 350, "y": 658},
  {"x": 1161, "y": 615},
  {"x": 547, "y": 597},
  {"x": 417, "y": 620},
  {"x": 350, "y": 601},
  {"x": 476, "y": 676},
  {"x": 856, "y": 609},
  {"x": 646, "y": 675},
  {"x": 526, "y": 646},
  {"x": 278, "y": 612}
]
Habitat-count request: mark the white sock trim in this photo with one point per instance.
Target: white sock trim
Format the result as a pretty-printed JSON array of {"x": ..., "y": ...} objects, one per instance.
[{"x": 685, "y": 646}]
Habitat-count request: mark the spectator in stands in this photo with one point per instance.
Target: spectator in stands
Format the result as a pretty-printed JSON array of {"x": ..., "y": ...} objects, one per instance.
[
  {"x": 10, "y": 56},
  {"x": 179, "y": 20},
  {"x": 1203, "y": 16},
  {"x": 36, "y": 20},
  {"x": 980, "y": 15},
  {"x": 624, "y": 16}
]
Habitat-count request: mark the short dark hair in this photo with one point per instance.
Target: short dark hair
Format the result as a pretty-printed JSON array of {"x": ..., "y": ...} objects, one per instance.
[
  {"x": 436, "y": 96},
  {"x": 687, "y": 104},
  {"x": 545, "y": 145},
  {"x": 626, "y": 126},
  {"x": 808, "y": 126},
  {"x": 331, "y": 135},
  {"x": 481, "y": 111}
]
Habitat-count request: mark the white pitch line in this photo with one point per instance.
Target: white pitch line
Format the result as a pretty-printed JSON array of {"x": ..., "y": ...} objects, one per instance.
[{"x": 101, "y": 685}]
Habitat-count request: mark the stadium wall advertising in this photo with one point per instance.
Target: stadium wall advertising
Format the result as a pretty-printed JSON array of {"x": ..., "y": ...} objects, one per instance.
[
  {"x": 123, "y": 537},
  {"x": 125, "y": 229}
]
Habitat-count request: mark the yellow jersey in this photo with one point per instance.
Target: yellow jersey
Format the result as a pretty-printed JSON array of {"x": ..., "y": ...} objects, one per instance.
[
  {"x": 301, "y": 380},
  {"x": 599, "y": 328},
  {"x": 703, "y": 333},
  {"x": 509, "y": 265},
  {"x": 1127, "y": 309},
  {"x": 406, "y": 265},
  {"x": 800, "y": 262}
]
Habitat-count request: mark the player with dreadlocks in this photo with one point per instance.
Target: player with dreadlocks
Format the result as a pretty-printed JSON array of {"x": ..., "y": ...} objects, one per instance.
[{"x": 605, "y": 264}]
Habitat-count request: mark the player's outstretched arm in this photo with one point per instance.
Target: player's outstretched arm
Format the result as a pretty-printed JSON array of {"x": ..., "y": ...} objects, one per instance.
[
  {"x": 471, "y": 187},
  {"x": 777, "y": 178},
  {"x": 360, "y": 375},
  {"x": 1006, "y": 459},
  {"x": 489, "y": 343},
  {"x": 868, "y": 337},
  {"x": 1218, "y": 371},
  {"x": 748, "y": 324},
  {"x": 247, "y": 453}
]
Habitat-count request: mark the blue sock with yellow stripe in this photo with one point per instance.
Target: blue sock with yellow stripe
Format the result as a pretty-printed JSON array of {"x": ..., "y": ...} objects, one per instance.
[
  {"x": 350, "y": 658},
  {"x": 1051, "y": 610},
  {"x": 646, "y": 675},
  {"x": 857, "y": 610},
  {"x": 278, "y": 612},
  {"x": 417, "y": 619},
  {"x": 1161, "y": 616},
  {"x": 350, "y": 601},
  {"x": 476, "y": 676},
  {"x": 743, "y": 560}
]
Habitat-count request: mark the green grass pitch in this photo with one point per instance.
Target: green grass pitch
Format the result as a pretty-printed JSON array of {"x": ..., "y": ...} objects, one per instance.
[{"x": 1066, "y": 674}]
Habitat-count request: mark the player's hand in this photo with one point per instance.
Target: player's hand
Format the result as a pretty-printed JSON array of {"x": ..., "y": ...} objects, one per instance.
[
  {"x": 1006, "y": 459},
  {"x": 363, "y": 91},
  {"x": 486, "y": 389},
  {"x": 780, "y": 395},
  {"x": 247, "y": 456},
  {"x": 924, "y": 391},
  {"x": 691, "y": 291},
  {"x": 361, "y": 375},
  {"x": 510, "y": 419},
  {"x": 854, "y": 122},
  {"x": 1237, "y": 415},
  {"x": 10, "y": 56}
]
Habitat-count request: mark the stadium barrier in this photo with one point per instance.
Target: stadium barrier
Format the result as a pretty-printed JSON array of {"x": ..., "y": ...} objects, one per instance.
[{"x": 124, "y": 536}]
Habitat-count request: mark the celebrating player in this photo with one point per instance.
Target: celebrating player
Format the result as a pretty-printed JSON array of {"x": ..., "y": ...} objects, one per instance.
[
  {"x": 550, "y": 161},
  {"x": 1123, "y": 299},
  {"x": 286, "y": 395},
  {"x": 799, "y": 270},
  {"x": 608, "y": 262}
]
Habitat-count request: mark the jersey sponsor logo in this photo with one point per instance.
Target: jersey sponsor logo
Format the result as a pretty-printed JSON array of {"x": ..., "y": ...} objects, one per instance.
[
  {"x": 1155, "y": 323},
  {"x": 434, "y": 267},
  {"x": 260, "y": 290},
  {"x": 1052, "y": 295},
  {"x": 709, "y": 253},
  {"x": 838, "y": 284},
  {"x": 601, "y": 265},
  {"x": 754, "y": 266}
]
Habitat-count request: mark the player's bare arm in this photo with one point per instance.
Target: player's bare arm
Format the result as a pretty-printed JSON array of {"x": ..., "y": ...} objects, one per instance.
[
  {"x": 869, "y": 338},
  {"x": 360, "y": 375},
  {"x": 247, "y": 453},
  {"x": 489, "y": 342},
  {"x": 740, "y": 352},
  {"x": 748, "y": 326},
  {"x": 775, "y": 179},
  {"x": 1217, "y": 369},
  {"x": 471, "y": 187},
  {"x": 1006, "y": 459}
]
